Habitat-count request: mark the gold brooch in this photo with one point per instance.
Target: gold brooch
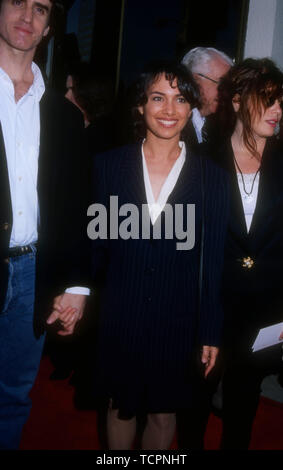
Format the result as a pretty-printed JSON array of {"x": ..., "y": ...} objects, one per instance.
[{"x": 248, "y": 262}]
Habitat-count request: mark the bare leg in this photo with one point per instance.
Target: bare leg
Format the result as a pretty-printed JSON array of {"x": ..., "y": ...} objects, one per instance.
[
  {"x": 159, "y": 431},
  {"x": 121, "y": 432}
]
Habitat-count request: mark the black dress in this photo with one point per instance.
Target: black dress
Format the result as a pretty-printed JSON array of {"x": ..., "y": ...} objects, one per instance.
[{"x": 149, "y": 321}]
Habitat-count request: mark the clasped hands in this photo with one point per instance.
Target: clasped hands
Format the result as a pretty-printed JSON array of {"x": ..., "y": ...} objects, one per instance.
[{"x": 68, "y": 309}]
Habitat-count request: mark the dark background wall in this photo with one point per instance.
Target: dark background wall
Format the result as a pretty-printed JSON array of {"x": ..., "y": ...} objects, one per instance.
[
  {"x": 166, "y": 29},
  {"x": 151, "y": 29}
]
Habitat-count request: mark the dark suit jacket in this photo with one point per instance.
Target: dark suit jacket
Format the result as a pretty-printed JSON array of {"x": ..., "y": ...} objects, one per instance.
[
  {"x": 62, "y": 204},
  {"x": 213, "y": 131},
  {"x": 149, "y": 301},
  {"x": 190, "y": 137},
  {"x": 254, "y": 297},
  {"x": 119, "y": 172}
]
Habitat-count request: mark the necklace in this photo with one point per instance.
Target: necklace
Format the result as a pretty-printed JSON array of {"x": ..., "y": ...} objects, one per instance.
[{"x": 248, "y": 193}]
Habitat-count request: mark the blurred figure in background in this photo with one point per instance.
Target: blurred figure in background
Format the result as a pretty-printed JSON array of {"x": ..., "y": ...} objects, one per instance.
[
  {"x": 93, "y": 94},
  {"x": 207, "y": 65}
]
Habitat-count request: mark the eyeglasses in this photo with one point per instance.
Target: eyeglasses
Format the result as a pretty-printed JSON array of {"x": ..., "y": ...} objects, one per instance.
[{"x": 208, "y": 78}]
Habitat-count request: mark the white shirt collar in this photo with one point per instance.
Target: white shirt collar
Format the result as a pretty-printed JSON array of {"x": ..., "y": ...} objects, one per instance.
[
  {"x": 37, "y": 88},
  {"x": 198, "y": 122},
  {"x": 156, "y": 207}
]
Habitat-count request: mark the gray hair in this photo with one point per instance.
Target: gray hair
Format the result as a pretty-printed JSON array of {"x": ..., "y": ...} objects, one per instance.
[{"x": 198, "y": 58}]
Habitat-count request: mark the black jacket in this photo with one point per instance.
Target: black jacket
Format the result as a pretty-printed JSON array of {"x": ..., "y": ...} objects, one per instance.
[
  {"x": 119, "y": 172},
  {"x": 214, "y": 134},
  {"x": 254, "y": 297}
]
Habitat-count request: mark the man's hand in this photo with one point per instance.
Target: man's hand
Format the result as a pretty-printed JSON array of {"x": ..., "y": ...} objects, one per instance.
[
  {"x": 281, "y": 336},
  {"x": 208, "y": 357},
  {"x": 68, "y": 308}
]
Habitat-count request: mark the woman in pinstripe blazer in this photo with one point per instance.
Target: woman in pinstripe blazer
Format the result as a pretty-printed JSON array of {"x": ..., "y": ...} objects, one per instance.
[{"x": 152, "y": 196}]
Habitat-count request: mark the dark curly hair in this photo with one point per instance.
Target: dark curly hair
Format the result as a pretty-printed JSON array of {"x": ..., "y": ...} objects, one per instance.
[
  {"x": 255, "y": 84},
  {"x": 172, "y": 71}
]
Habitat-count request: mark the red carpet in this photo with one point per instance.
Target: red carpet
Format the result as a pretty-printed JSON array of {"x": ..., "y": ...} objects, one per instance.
[{"x": 55, "y": 424}]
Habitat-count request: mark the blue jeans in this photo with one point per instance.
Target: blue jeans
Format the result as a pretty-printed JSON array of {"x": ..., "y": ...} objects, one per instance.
[{"x": 20, "y": 351}]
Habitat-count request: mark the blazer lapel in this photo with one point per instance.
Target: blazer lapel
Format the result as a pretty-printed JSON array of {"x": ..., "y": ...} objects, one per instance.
[
  {"x": 268, "y": 192},
  {"x": 133, "y": 175},
  {"x": 49, "y": 130},
  {"x": 42, "y": 161},
  {"x": 6, "y": 214},
  {"x": 188, "y": 183},
  {"x": 190, "y": 136}
]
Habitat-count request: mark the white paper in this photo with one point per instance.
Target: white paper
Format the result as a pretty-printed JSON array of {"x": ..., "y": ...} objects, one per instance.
[{"x": 268, "y": 337}]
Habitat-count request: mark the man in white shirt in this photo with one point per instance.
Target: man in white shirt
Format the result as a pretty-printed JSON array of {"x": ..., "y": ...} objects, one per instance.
[
  {"x": 42, "y": 244},
  {"x": 208, "y": 66}
]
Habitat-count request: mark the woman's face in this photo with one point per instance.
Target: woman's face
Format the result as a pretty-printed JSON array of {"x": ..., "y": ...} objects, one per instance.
[
  {"x": 166, "y": 111},
  {"x": 264, "y": 124}
]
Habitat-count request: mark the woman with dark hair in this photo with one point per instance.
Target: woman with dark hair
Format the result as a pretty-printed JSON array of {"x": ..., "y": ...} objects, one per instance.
[
  {"x": 150, "y": 320},
  {"x": 250, "y": 98}
]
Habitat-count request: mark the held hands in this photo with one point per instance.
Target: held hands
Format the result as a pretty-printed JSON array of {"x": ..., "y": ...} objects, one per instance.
[
  {"x": 68, "y": 309},
  {"x": 208, "y": 358}
]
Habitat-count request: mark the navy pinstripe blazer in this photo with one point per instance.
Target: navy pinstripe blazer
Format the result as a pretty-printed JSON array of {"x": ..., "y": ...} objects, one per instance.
[{"x": 147, "y": 281}]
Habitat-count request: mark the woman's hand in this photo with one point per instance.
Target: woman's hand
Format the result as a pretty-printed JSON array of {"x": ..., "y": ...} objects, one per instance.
[
  {"x": 68, "y": 309},
  {"x": 208, "y": 358}
]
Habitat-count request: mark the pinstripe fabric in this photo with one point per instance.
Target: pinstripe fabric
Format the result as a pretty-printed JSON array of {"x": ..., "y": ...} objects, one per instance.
[{"x": 148, "y": 318}]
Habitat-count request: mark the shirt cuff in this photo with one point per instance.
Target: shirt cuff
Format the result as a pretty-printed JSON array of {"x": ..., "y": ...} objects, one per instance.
[{"x": 78, "y": 290}]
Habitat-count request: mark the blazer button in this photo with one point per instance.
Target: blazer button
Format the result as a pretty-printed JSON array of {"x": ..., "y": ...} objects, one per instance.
[{"x": 247, "y": 262}]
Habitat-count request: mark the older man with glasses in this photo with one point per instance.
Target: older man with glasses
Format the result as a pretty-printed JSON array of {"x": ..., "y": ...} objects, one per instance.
[{"x": 208, "y": 66}]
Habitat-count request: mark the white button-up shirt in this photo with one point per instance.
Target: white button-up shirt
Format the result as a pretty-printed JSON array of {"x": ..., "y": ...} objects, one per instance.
[
  {"x": 155, "y": 207},
  {"x": 21, "y": 130}
]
